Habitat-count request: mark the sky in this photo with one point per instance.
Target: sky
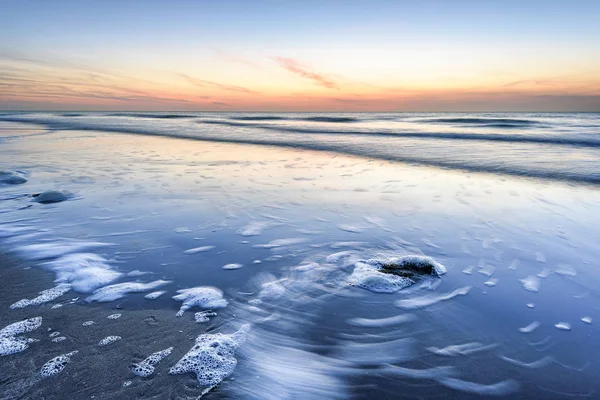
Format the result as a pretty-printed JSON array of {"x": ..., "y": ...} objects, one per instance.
[{"x": 300, "y": 55}]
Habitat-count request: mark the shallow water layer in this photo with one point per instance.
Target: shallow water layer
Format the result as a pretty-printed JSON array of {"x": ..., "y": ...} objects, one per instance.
[{"x": 514, "y": 314}]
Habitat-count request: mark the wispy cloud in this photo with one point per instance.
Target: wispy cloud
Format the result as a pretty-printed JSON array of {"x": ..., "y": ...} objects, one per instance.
[
  {"x": 204, "y": 83},
  {"x": 295, "y": 67}
]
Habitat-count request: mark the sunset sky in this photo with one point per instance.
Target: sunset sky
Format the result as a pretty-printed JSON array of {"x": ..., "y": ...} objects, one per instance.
[{"x": 283, "y": 55}]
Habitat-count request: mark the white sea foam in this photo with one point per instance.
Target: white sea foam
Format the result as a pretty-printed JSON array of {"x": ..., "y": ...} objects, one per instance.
[
  {"x": 56, "y": 365},
  {"x": 207, "y": 297},
  {"x": 88, "y": 323},
  {"x": 45, "y": 296},
  {"x": 154, "y": 295},
  {"x": 200, "y": 249},
  {"x": 212, "y": 357},
  {"x": 425, "y": 301},
  {"x": 109, "y": 340},
  {"x": 145, "y": 368},
  {"x": 204, "y": 316},
  {"x": 119, "y": 290},
  {"x": 368, "y": 277},
  {"x": 491, "y": 282},
  {"x": 10, "y": 342},
  {"x": 586, "y": 320},
  {"x": 85, "y": 272},
  {"x": 531, "y": 283},
  {"x": 563, "y": 326},
  {"x": 232, "y": 266},
  {"x": 114, "y": 316},
  {"x": 59, "y": 339},
  {"x": 24, "y": 326},
  {"x": 368, "y": 273}
]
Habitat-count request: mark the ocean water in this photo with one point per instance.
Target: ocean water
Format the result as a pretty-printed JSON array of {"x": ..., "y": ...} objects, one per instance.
[{"x": 257, "y": 236}]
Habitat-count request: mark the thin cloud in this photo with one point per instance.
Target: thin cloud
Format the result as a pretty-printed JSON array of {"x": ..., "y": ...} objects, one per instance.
[
  {"x": 205, "y": 83},
  {"x": 295, "y": 67}
]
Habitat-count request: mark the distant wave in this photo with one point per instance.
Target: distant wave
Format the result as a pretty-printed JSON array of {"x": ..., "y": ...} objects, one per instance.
[
  {"x": 493, "y": 122},
  {"x": 258, "y": 118},
  {"x": 485, "y": 137},
  {"x": 383, "y": 151},
  {"x": 159, "y": 116},
  {"x": 309, "y": 119}
]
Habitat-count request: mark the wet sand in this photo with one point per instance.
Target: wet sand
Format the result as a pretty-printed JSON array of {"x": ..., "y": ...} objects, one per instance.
[{"x": 95, "y": 372}]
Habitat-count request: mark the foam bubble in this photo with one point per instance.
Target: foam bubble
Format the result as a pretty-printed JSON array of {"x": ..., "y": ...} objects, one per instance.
[
  {"x": 119, "y": 290},
  {"x": 531, "y": 283},
  {"x": 114, "y": 316},
  {"x": 425, "y": 301},
  {"x": 232, "y": 266},
  {"x": 45, "y": 296},
  {"x": 109, "y": 340},
  {"x": 490, "y": 283},
  {"x": 56, "y": 365},
  {"x": 59, "y": 339},
  {"x": 84, "y": 271},
  {"x": 146, "y": 367},
  {"x": 88, "y": 323},
  {"x": 212, "y": 357},
  {"x": 24, "y": 326},
  {"x": 563, "y": 326},
  {"x": 204, "y": 316},
  {"x": 202, "y": 296},
  {"x": 52, "y": 196},
  {"x": 154, "y": 295},
  {"x": 10, "y": 343},
  {"x": 368, "y": 277},
  {"x": 12, "y": 177}
]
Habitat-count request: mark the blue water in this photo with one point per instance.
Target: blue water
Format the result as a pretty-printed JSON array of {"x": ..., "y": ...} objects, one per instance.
[{"x": 506, "y": 202}]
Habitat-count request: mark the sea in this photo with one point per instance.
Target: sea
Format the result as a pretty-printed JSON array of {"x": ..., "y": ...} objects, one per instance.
[{"x": 186, "y": 255}]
